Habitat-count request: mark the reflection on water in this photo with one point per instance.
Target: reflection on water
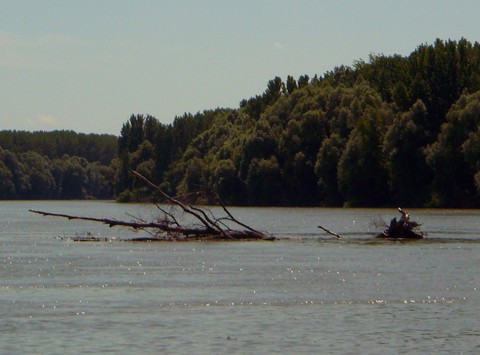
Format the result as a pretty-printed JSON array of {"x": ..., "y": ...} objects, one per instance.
[{"x": 309, "y": 292}]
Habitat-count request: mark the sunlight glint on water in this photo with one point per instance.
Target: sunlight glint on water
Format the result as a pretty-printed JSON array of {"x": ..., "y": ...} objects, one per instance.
[{"x": 308, "y": 292}]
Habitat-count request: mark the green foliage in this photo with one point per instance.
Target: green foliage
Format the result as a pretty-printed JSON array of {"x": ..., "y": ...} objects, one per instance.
[
  {"x": 194, "y": 176},
  {"x": 30, "y": 175},
  {"x": 227, "y": 184},
  {"x": 263, "y": 182},
  {"x": 153, "y": 149},
  {"x": 404, "y": 143},
  {"x": 367, "y": 135},
  {"x": 397, "y": 129},
  {"x": 454, "y": 157},
  {"x": 435, "y": 74},
  {"x": 7, "y": 187},
  {"x": 326, "y": 168},
  {"x": 93, "y": 147},
  {"x": 58, "y": 164},
  {"x": 255, "y": 106},
  {"x": 41, "y": 181},
  {"x": 362, "y": 176}
]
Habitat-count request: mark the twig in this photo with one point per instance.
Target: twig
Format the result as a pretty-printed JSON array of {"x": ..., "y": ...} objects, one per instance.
[
  {"x": 172, "y": 200},
  {"x": 168, "y": 214},
  {"x": 215, "y": 225},
  {"x": 113, "y": 222},
  {"x": 233, "y": 219},
  {"x": 330, "y": 232}
]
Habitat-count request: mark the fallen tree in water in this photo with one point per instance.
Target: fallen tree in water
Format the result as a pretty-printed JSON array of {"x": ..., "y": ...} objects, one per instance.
[
  {"x": 208, "y": 226},
  {"x": 404, "y": 228}
]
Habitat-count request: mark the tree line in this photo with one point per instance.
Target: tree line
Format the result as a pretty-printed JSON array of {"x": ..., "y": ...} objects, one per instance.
[
  {"x": 401, "y": 130},
  {"x": 394, "y": 129},
  {"x": 56, "y": 165},
  {"x": 93, "y": 147}
]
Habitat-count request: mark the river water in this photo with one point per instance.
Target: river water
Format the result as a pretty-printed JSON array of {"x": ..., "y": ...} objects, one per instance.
[{"x": 305, "y": 293}]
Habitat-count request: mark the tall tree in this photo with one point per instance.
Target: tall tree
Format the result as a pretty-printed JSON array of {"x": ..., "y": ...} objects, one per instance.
[
  {"x": 404, "y": 146},
  {"x": 454, "y": 183},
  {"x": 362, "y": 176}
]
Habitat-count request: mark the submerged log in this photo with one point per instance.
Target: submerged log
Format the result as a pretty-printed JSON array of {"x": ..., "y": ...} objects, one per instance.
[{"x": 169, "y": 229}]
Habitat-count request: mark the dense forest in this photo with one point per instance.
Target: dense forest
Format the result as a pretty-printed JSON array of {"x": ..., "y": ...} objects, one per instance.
[
  {"x": 93, "y": 147},
  {"x": 401, "y": 130},
  {"x": 56, "y": 165}
]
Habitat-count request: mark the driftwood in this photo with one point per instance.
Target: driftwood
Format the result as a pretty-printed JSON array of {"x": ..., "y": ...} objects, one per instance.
[
  {"x": 330, "y": 232},
  {"x": 168, "y": 228},
  {"x": 404, "y": 228}
]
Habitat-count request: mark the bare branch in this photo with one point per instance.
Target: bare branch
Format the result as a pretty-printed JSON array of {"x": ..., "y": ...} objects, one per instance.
[
  {"x": 330, "y": 232},
  {"x": 233, "y": 219},
  {"x": 214, "y": 225},
  {"x": 170, "y": 229},
  {"x": 171, "y": 199},
  {"x": 168, "y": 214},
  {"x": 135, "y": 225}
]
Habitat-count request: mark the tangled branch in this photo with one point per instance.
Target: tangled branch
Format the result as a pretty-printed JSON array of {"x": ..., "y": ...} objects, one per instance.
[{"x": 211, "y": 228}]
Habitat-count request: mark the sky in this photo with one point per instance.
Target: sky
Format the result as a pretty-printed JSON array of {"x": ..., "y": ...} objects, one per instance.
[{"x": 88, "y": 65}]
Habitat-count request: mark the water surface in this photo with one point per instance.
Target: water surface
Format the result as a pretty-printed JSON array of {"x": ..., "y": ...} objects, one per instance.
[{"x": 305, "y": 293}]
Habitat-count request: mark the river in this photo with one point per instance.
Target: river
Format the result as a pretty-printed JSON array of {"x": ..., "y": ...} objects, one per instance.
[{"x": 307, "y": 292}]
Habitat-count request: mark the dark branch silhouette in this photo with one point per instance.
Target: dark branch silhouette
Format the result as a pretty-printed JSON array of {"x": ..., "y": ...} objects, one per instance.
[{"x": 170, "y": 229}]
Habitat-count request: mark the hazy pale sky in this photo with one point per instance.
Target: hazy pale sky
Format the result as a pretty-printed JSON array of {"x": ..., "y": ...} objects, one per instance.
[{"x": 87, "y": 65}]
